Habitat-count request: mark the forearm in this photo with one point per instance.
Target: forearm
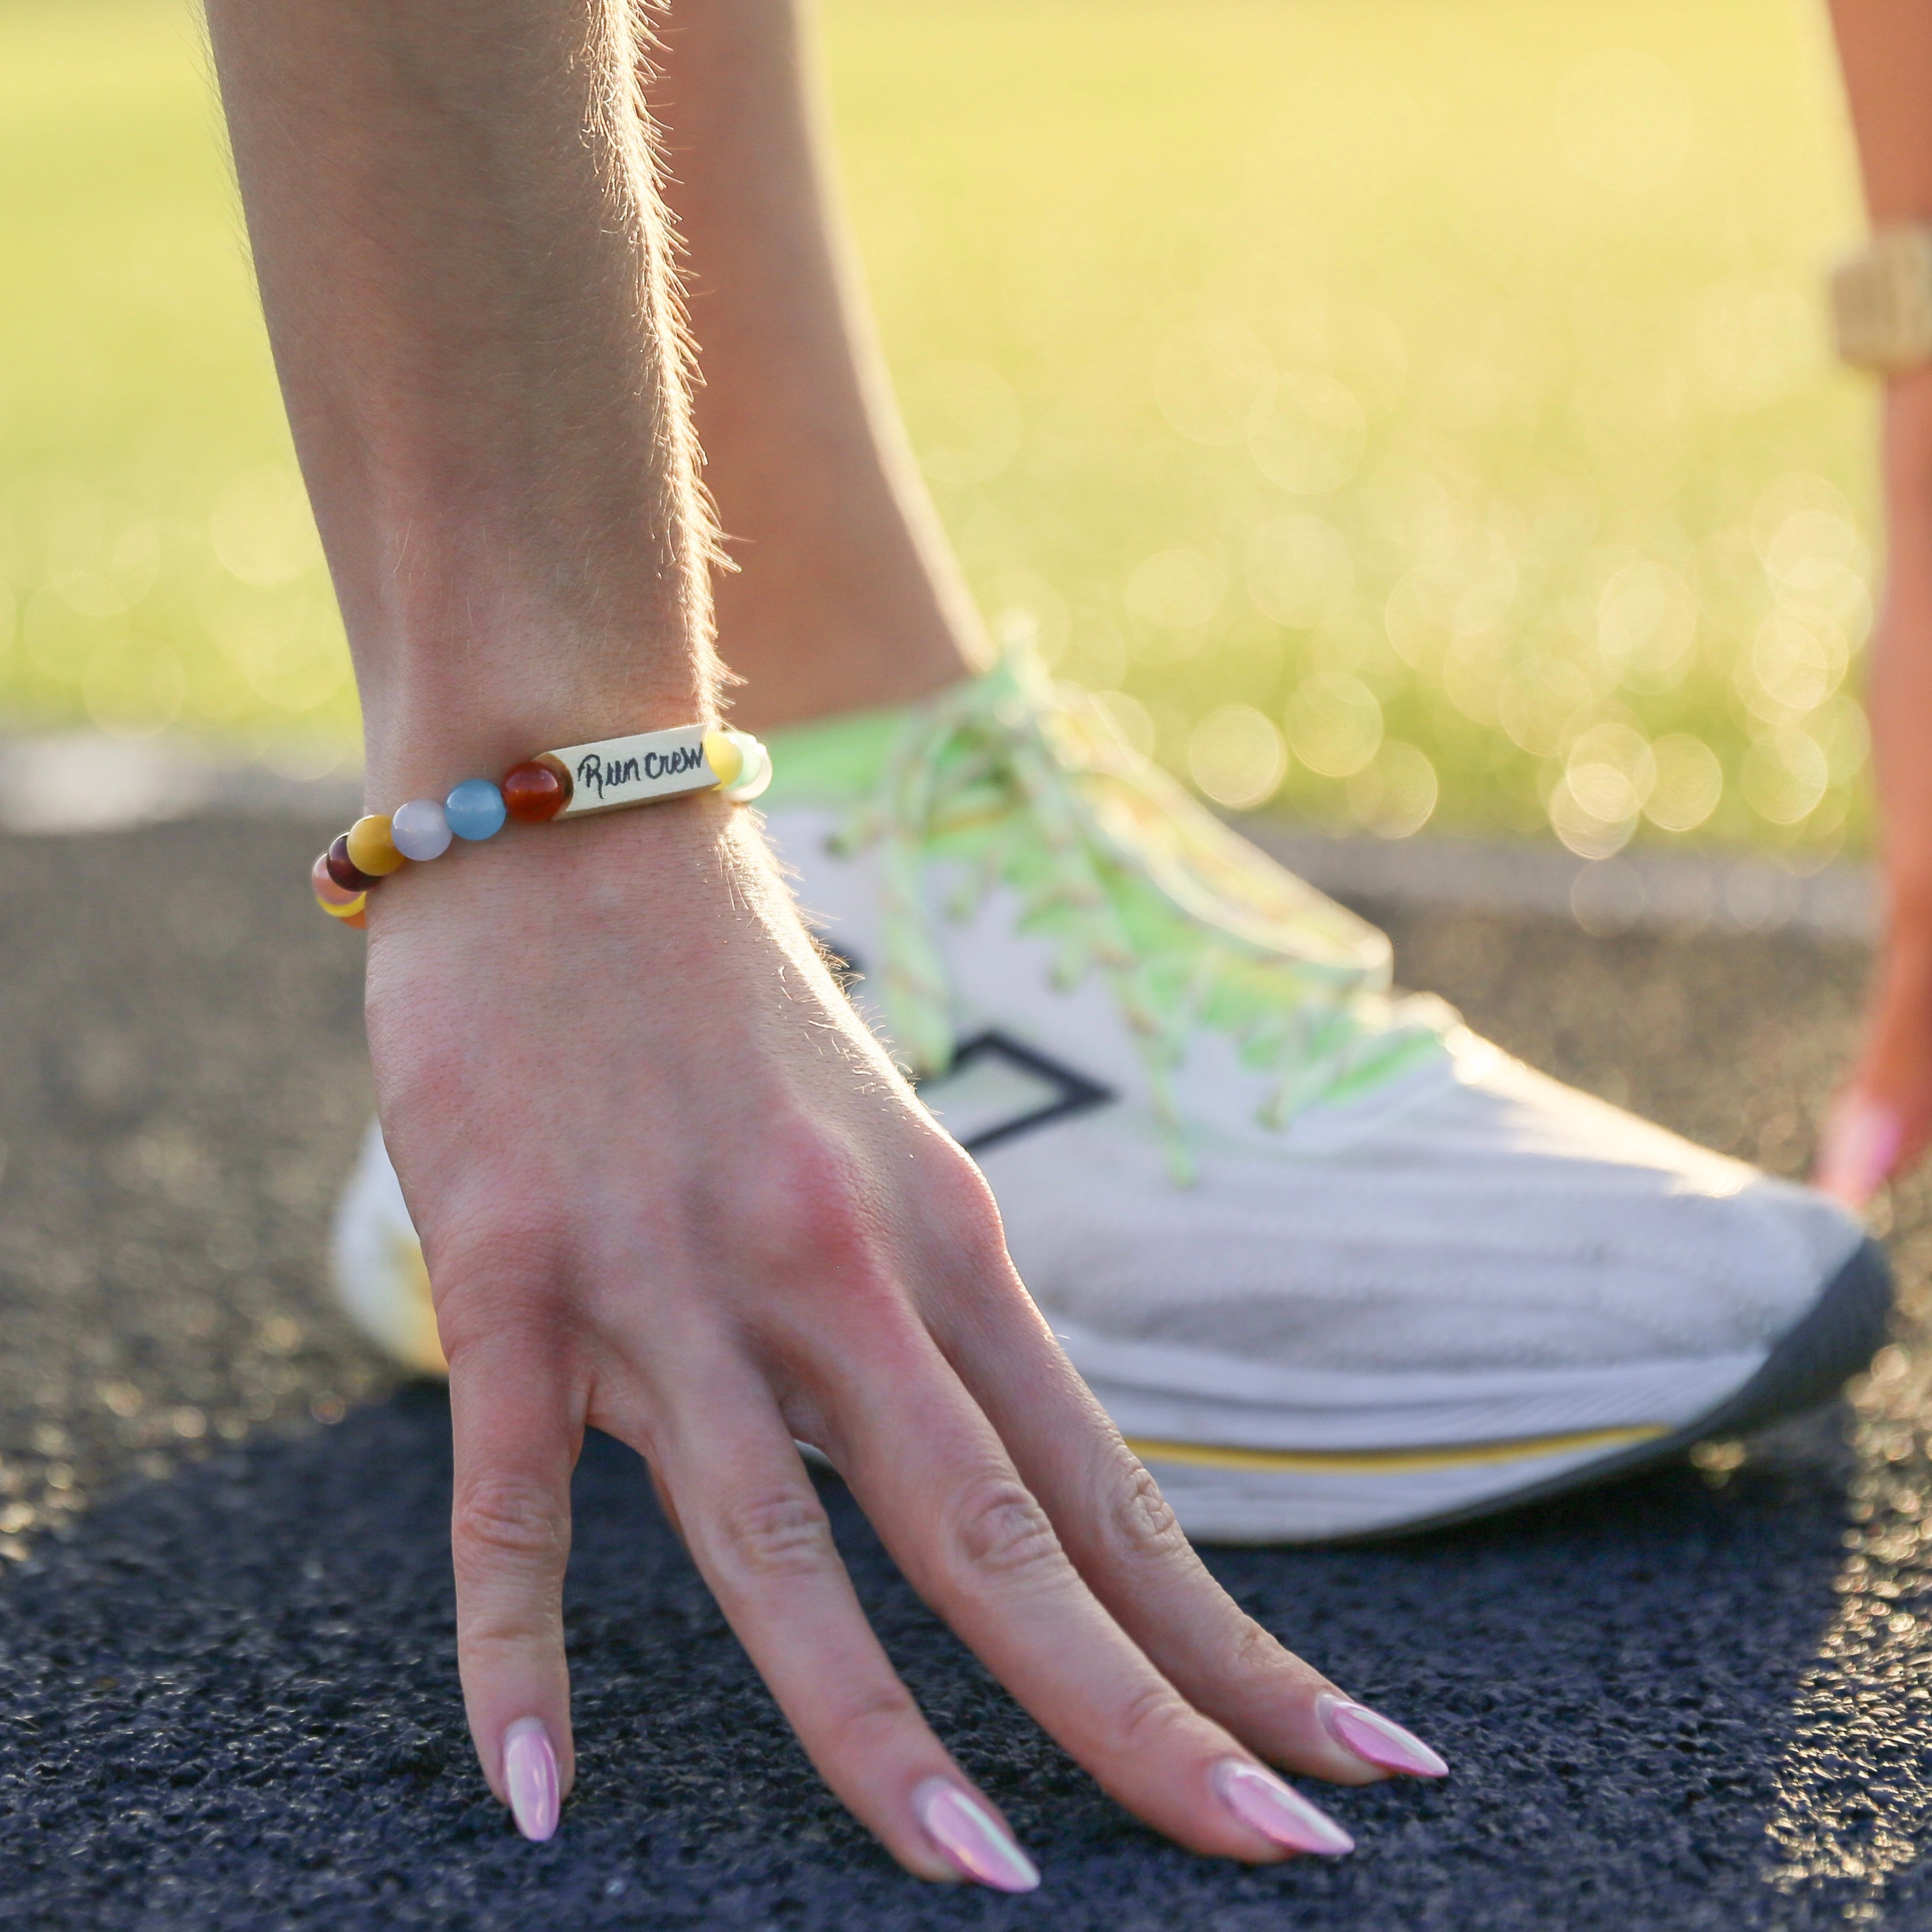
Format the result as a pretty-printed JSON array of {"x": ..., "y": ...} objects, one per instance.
[
  {"x": 466, "y": 276},
  {"x": 1885, "y": 50},
  {"x": 1882, "y": 1118}
]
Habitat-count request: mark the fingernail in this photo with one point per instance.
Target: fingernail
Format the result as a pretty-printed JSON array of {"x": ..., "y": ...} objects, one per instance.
[
  {"x": 972, "y": 1837},
  {"x": 1259, "y": 1798},
  {"x": 530, "y": 1775},
  {"x": 1860, "y": 1143},
  {"x": 1380, "y": 1740}
]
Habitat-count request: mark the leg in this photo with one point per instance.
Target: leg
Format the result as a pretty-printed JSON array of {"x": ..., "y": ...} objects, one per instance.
[{"x": 846, "y": 595}]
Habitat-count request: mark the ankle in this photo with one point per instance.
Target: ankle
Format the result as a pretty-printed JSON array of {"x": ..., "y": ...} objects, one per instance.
[{"x": 815, "y": 659}]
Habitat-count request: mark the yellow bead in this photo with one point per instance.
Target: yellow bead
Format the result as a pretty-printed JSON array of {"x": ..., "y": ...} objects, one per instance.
[
  {"x": 371, "y": 848},
  {"x": 348, "y": 910},
  {"x": 722, "y": 754}
]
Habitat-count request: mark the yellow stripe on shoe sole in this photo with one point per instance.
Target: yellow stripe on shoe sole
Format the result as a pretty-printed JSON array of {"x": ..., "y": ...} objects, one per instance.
[
  {"x": 1391, "y": 1461},
  {"x": 418, "y": 1344}
]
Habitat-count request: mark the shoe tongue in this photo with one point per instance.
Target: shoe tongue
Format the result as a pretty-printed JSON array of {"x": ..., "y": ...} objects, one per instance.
[{"x": 831, "y": 761}]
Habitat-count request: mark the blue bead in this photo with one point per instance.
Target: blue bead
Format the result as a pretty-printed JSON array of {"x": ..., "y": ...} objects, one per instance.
[{"x": 475, "y": 809}]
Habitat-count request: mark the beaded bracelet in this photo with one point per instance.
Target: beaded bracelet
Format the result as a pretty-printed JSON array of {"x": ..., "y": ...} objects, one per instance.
[{"x": 571, "y": 783}]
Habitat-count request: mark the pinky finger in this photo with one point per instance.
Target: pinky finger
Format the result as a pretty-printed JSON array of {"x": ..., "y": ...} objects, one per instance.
[{"x": 516, "y": 1441}]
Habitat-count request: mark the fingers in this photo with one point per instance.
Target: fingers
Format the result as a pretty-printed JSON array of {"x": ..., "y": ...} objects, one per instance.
[
  {"x": 932, "y": 1473},
  {"x": 1859, "y": 1148},
  {"x": 518, "y": 1425},
  {"x": 1879, "y": 1124},
  {"x": 1125, "y": 1541},
  {"x": 754, "y": 1526}
]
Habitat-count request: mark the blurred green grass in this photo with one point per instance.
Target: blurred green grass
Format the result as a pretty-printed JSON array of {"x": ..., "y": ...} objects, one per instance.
[{"x": 1404, "y": 410}]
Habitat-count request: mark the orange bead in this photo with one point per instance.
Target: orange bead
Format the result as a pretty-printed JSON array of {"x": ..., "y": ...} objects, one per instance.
[
  {"x": 327, "y": 890},
  {"x": 537, "y": 790}
]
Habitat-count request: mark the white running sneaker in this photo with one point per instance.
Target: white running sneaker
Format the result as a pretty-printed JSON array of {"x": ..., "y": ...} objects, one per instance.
[{"x": 1335, "y": 1266}]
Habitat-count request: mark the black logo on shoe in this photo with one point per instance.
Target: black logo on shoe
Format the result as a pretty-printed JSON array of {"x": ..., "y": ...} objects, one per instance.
[
  {"x": 996, "y": 1088},
  {"x": 1069, "y": 1092}
]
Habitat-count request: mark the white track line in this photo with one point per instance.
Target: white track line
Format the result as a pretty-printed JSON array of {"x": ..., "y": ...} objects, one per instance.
[{"x": 88, "y": 782}]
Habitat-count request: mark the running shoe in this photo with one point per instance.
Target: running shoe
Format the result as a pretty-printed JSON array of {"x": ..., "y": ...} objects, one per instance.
[{"x": 1336, "y": 1266}]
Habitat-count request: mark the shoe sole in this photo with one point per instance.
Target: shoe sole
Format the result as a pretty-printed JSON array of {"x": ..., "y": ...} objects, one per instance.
[{"x": 1808, "y": 1367}]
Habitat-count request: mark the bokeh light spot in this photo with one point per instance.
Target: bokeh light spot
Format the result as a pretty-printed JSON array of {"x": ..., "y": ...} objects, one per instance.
[
  {"x": 1540, "y": 702},
  {"x": 1646, "y": 622},
  {"x": 1783, "y": 776},
  {"x": 1334, "y": 723},
  {"x": 1394, "y": 795},
  {"x": 133, "y": 687},
  {"x": 1308, "y": 435},
  {"x": 1611, "y": 772},
  {"x": 1588, "y": 835},
  {"x": 262, "y": 530},
  {"x": 1176, "y": 590},
  {"x": 1796, "y": 660},
  {"x": 1301, "y": 570},
  {"x": 1209, "y": 380},
  {"x": 1237, "y": 757},
  {"x": 1690, "y": 783}
]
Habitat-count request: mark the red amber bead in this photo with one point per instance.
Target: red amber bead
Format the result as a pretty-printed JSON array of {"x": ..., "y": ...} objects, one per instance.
[
  {"x": 537, "y": 790},
  {"x": 343, "y": 870}
]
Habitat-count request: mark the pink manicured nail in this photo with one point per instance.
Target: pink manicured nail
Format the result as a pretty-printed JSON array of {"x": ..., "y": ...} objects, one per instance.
[
  {"x": 1259, "y": 1798},
  {"x": 1382, "y": 1742},
  {"x": 1860, "y": 1141},
  {"x": 529, "y": 1775},
  {"x": 972, "y": 1837}
]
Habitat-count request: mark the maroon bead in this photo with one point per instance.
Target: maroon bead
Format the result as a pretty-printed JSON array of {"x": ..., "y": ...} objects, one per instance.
[
  {"x": 343, "y": 870},
  {"x": 537, "y": 790}
]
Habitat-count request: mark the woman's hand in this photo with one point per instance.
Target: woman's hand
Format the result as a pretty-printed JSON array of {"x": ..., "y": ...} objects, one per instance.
[
  {"x": 1881, "y": 1121},
  {"x": 669, "y": 1185}
]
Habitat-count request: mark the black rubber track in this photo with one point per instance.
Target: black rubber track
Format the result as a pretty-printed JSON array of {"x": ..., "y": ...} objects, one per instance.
[{"x": 228, "y": 1696}]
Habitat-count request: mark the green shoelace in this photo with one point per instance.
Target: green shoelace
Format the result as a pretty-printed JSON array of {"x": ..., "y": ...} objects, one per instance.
[{"x": 1010, "y": 780}]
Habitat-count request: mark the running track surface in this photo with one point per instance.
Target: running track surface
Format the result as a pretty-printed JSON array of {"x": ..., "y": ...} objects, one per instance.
[{"x": 227, "y": 1689}]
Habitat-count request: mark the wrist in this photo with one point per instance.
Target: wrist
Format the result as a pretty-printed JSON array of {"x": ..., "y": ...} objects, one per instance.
[{"x": 471, "y": 703}]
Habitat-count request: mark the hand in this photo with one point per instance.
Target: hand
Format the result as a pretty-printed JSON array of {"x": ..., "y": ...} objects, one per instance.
[
  {"x": 670, "y": 1187},
  {"x": 1881, "y": 1121}
]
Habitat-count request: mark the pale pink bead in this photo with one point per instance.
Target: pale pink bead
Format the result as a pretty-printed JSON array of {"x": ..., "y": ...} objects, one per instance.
[{"x": 421, "y": 829}]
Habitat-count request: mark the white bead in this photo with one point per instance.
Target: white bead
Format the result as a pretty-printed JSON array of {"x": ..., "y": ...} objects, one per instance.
[
  {"x": 756, "y": 775},
  {"x": 421, "y": 829}
]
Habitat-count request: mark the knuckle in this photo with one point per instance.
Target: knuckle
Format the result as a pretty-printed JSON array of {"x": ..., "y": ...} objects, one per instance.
[
  {"x": 499, "y": 1637},
  {"x": 778, "y": 1533},
  {"x": 1258, "y": 1650},
  {"x": 961, "y": 1199},
  {"x": 508, "y": 1519},
  {"x": 864, "y": 1730},
  {"x": 502, "y": 1283},
  {"x": 1149, "y": 1716},
  {"x": 497, "y": 1243},
  {"x": 813, "y": 1208},
  {"x": 1001, "y": 1531},
  {"x": 1142, "y": 1520}
]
